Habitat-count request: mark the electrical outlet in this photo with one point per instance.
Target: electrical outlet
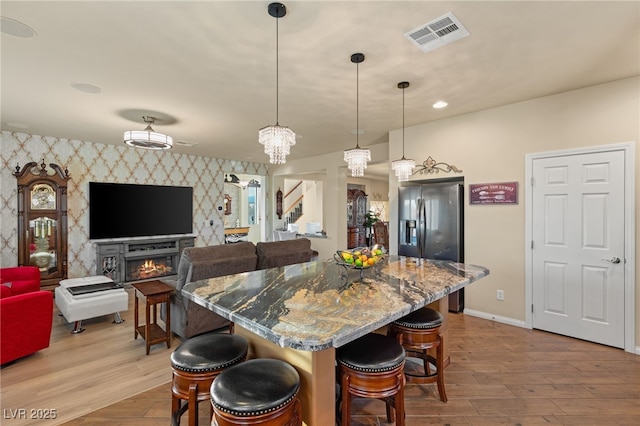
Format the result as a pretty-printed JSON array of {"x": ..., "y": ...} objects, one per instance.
[{"x": 500, "y": 294}]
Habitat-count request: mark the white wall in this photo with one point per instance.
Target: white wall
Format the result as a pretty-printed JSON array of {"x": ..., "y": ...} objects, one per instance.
[
  {"x": 332, "y": 171},
  {"x": 490, "y": 146}
]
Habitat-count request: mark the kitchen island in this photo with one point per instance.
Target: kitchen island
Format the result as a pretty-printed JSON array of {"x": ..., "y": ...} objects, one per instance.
[{"x": 301, "y": 313}]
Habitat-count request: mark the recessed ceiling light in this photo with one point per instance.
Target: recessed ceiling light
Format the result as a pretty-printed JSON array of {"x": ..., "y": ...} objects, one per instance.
[
  {"x": 440, "y": 104},
  {"x": 186, "y": 143},
  {"x": 16, "y": 28},
  {"x": 86, "y": 88},
  {"x": 358, "y": 132}
]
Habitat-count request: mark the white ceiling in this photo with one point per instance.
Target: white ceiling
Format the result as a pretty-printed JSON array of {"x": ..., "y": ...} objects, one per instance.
[{"x": 207, "y": 69}]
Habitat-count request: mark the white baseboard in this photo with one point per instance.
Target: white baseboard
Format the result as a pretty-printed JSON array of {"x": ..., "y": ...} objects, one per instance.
[
  {"x": 496, "y": 318},
  {"x": 509, "y": 321}
]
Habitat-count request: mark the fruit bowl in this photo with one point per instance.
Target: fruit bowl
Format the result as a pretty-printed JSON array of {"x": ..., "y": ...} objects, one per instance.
[{"x": 360, "y": 257}]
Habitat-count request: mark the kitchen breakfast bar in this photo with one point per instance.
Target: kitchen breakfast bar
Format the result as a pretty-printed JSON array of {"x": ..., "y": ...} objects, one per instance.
[{"x": 301, "y": 313}]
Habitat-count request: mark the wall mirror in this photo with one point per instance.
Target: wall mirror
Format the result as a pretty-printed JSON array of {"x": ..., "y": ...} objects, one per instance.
[{"x": 248, "y": 207}]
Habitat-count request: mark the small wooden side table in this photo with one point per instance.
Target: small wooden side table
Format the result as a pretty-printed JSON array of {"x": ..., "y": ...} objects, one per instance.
[{"x": 155, "y": 292}]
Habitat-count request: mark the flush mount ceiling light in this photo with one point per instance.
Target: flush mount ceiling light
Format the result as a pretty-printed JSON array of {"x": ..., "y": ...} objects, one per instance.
[
  {"x": 357, "y": 157},
  {"x": 148, "y": 138},
  {"x": 277, "y": 139},
  {"x": 403, "y": 167}
]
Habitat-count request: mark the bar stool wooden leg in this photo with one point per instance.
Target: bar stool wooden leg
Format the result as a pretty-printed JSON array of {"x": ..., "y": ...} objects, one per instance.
[
  {"x": 440, "y": 367},
  {"x": 193, "y": 404}
]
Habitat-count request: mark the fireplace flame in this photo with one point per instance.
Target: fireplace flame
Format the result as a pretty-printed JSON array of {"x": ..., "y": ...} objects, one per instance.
[
  {"x": 151, "y": 269},
  {"x": 148, "y": 266}
]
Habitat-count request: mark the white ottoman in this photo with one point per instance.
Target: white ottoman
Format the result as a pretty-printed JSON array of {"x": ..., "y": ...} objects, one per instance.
[{"x": 81, "y": 306}]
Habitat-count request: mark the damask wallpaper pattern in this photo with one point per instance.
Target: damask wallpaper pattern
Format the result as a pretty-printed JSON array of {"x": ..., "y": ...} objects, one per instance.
[{"x": 93, "y": 162}]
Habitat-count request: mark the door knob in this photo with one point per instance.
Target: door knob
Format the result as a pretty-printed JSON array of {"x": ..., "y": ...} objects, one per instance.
[{"x": 615, "y": 260}]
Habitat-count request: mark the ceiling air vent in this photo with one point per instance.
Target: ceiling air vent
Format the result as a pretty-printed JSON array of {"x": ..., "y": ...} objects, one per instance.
[{"x": 437, "y": 33}]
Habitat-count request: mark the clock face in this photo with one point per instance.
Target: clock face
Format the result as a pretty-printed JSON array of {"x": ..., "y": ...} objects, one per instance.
[{"x": 43, "y": 197}]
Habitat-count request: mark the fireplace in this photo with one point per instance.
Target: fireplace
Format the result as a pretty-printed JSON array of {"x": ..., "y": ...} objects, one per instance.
[
  {"x": 140, "y": 260},
  {"x": 152, "y": 267}
]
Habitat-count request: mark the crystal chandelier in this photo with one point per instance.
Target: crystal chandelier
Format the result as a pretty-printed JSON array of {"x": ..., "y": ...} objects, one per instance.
[
  {"x": 357, "y": 157},
  {"x": 277, "y": 139},
  {"x": 148, "y": 138},
  {"x": 403, "y": 167}
]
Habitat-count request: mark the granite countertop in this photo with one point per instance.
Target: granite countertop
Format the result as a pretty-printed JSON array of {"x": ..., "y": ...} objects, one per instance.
[{"x": 316, "y": 305}]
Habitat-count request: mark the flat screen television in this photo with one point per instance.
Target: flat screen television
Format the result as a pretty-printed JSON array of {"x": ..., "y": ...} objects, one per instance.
[{"x": 119, "y": 210}]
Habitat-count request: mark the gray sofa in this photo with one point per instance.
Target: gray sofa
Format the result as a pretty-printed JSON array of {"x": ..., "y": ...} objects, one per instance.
[{"x": 196, "y": 263}]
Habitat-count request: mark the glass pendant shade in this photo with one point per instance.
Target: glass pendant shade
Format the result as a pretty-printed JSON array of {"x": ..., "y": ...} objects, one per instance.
[
  {"x": 403, "y": 168},
  {"x": 277, "y": 141},
  {"x": 148, "y": 139},
  {"x": 356, "y": 159}
]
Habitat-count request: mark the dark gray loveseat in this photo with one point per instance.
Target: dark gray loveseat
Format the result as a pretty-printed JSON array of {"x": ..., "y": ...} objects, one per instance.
[{"x": 196, "y": 263}]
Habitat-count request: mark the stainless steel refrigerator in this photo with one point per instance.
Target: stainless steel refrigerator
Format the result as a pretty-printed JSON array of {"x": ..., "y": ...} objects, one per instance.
[{"x": 431, "y": 220}]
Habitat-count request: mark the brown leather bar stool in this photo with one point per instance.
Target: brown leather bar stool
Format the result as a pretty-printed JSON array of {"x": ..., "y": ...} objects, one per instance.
[
  {"x": 418, "y": 333},
  {"x": 372, "y": 367},
  {"x": 195, "y": 364},
  {"x": 261, "y": 391}
]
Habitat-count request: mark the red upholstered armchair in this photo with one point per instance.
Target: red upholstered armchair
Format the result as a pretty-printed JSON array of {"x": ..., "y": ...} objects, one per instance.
[{"x": 26, "y": 313}]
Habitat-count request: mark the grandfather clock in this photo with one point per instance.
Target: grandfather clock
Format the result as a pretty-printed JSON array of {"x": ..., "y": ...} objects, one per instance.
[{"x": 42, "y": 220}]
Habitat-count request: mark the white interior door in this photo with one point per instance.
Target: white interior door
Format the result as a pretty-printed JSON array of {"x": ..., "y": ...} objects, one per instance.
[{"x": 578, "y": 254}]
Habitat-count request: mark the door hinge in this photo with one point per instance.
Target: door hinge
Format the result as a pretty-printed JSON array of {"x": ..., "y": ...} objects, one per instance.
[
  {"x": 531, "y": 181},
  {"x": 532, "y": 307},
  {"x": 531, "y": 244}
]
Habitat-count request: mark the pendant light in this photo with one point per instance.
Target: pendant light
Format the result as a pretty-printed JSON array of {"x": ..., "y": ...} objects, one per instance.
[
  {"x": 148, "y": 138},
  {"x": 403, "y": 167},
  {"x": 277, "y": 139},
  {"x": 357, "y": 157}
]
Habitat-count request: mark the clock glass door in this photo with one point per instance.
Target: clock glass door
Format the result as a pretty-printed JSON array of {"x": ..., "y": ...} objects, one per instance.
[{"x": 43, "y": 244}]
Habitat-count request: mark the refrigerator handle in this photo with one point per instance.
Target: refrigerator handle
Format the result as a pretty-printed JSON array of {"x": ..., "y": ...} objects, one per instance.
[{"x": 420, "y": 227}]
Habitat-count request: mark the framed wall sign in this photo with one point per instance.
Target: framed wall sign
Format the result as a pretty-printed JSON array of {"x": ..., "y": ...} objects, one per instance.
[{"x": 493, "y": 193}]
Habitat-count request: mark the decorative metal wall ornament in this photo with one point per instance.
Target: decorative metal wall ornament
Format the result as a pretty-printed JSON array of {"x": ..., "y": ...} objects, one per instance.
[{"x": 431, "y": 166}]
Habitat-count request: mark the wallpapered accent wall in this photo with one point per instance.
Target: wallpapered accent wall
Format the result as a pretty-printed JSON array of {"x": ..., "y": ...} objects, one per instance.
[{"x": 93, "y": 162}]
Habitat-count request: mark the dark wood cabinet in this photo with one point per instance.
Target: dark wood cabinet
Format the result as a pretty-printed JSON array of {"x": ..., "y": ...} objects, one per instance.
[
  {"x": 356, "y": 211},
  {"x": 42, "y": 220}
]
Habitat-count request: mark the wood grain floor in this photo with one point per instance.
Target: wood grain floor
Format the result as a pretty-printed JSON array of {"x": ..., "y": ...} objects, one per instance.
[
  {"x": 499, "y": 375},
  {"x": 81, "y": 373}
]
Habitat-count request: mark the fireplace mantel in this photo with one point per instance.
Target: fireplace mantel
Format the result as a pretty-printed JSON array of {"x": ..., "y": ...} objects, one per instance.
[{"x": 132, "y": 260}]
